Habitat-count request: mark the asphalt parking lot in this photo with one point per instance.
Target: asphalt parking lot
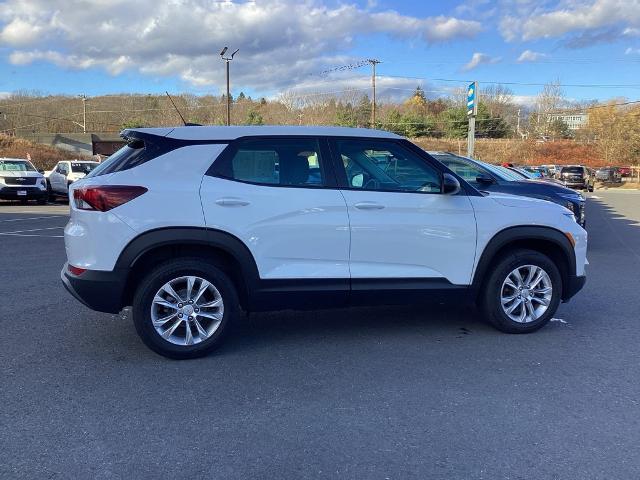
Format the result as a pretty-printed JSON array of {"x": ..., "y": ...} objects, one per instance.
[{"x": 362, "y": 393}]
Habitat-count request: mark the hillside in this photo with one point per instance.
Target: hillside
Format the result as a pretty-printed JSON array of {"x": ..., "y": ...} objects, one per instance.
[{"x": 42, "y": 156}]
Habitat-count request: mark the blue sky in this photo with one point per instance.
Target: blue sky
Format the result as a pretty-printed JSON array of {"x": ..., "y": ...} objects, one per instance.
[{"x": 96, "y": 47}]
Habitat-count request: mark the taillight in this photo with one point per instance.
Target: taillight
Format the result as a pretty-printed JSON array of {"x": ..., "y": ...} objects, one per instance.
[{"x": 104, "y": 198}]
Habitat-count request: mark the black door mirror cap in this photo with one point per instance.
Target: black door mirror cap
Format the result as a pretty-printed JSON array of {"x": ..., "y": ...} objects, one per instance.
[{"x": 450, "y": 184}]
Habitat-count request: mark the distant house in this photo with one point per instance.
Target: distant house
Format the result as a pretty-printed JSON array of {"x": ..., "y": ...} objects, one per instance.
[{"x": 574, "y": 121}]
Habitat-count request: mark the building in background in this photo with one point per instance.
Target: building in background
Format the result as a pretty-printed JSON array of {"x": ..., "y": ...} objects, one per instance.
[{"x": 574, "y": 121}]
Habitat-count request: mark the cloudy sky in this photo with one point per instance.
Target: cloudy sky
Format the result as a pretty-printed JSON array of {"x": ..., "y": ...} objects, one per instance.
[{"x": 113, "y": 46}]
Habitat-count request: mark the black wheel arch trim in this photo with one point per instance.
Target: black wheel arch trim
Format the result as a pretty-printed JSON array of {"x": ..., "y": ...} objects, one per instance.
[
  {"x": 204, "y": 236},
  {"x": 512, "y": 235}
]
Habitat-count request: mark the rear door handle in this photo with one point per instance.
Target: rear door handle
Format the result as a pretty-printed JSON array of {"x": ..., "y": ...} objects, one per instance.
[
  {"x": 232, "y": 202},
  {"x": 368, "y": 206}
]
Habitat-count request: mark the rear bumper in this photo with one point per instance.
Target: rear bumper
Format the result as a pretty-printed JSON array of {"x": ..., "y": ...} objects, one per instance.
[
  {"x": 98, "y": 290},
  {"x": 11, "y": 193},
  {"x": 573, "y": 286},
  {"x": 575, "y": 184}
]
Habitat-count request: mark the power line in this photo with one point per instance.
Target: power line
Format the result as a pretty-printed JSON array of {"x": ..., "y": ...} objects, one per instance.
[{"x": 526, "y": 84}]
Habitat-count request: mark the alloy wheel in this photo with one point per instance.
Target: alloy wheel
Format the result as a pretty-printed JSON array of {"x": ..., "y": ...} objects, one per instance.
[
  {"x": 187, "y": 310},
  {"x": 526, "y": 293}
]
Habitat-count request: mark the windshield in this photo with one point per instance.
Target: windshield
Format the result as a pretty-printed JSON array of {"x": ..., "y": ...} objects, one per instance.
[
  {"x": 83, "y": 167},
  {"x": 525, "y": 173},
  {"x": 16, "y": 166},
  {"x": 571, "y": 170},
  {"x": 502, "y": 172}
]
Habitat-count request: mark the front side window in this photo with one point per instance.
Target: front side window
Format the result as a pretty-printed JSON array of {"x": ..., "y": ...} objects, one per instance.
[
  {"x": 386, "y": 166},
  {"x": 277, "y": 162}
]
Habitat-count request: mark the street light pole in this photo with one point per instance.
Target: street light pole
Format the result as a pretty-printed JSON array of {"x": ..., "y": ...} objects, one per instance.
[{"x": 227, "y": 60}]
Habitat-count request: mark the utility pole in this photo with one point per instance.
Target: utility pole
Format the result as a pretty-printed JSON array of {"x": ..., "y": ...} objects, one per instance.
[
  {"x": 83, "y": 97},
  {"x": 227, "y": 60},
  {"x": 373, "y": 63},
  {"x": 472, "y": 111}
]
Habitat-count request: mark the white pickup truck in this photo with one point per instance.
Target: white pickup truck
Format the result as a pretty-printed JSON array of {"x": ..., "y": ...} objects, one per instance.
[{"x": 65, "y": 173}]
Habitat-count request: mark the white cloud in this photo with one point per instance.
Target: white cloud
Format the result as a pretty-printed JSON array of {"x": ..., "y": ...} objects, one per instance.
[
  {"x": 573, "y": 16},
  {"x": 631, "y": 32},
  {"x": 281, "y": 41},
  {"x": 478, "y": 59},
  {"x": 632, "y": 51},
  {"x": 530, "y": 56},
  {"x": 525, "y": 100},
  {"x": 351, "y": 88}
]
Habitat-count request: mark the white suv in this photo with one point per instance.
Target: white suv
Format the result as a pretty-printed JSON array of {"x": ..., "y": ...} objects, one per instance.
[
  {"x": 20, "y": 180},
  {"x": 188, "y": 225}
]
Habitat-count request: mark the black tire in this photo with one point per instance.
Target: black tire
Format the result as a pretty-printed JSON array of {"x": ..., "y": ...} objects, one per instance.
[
  {"x": 163, "y": 273},
  {"x": 490, "y": 300}
]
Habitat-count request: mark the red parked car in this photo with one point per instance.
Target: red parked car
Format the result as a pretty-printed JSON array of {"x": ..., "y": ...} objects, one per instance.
[{"x": 625, "y": 171}]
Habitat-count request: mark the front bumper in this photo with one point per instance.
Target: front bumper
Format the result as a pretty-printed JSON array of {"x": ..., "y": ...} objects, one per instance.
[
  {"x": 11, "y": 193},
  {"x": 573, "y": 285},
  {"x": 98, "y": 290}
]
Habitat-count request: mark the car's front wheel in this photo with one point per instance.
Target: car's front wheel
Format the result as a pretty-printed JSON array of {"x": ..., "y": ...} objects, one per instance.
[
  {"x": 522, "y": 293},
  {"x": 182, "y": 308}
]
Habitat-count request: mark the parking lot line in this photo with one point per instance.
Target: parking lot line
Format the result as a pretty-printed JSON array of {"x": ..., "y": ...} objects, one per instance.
[
  {"x": 30, "y": 218},
  {"x": 27, "y": 233},
  {"x": 30, "y": 235}
]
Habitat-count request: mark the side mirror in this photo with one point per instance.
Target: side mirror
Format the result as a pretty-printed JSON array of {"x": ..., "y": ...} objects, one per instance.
[
  {"x": 451, "y": 185},
  {"x": 357, "y": 180},
  {"x": 484, "y": 179}
]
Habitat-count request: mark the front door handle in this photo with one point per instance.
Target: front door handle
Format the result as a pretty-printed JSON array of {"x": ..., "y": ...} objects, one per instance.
[
  {"x": 232, "y": 202},
  {"x": 368, "y": 206}
]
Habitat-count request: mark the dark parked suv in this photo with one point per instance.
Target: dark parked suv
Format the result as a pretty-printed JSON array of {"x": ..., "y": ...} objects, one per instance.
[
  {"x": 576, "y": 176},
  {"x": 609, "y": 175},
  {"x": 493, "y": 178}
]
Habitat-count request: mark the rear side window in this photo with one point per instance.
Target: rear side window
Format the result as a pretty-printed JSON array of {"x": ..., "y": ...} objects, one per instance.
[
  {"x": 134, "y": 153},
  {"x": 83, "y": 167},
  {"x": 277, "y": 162}
]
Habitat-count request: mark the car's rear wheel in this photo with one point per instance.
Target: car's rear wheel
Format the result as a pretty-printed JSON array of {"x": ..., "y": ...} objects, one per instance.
[
  {"x": 183, "y": 307},
  {"x": 522, "y": 293}
]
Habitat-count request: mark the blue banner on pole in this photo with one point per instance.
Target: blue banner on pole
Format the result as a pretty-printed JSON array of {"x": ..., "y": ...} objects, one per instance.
[{"x": 472, "y": 96}]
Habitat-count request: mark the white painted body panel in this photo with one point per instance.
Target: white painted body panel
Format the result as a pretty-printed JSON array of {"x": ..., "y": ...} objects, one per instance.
[
  {"x": 496, "y": 212},
  {"x": 414, "y": 235},
  {"x": 173, "y": 180},
  {"x": 291, "y": 232},
  {"x": 94, "y": 240}
]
